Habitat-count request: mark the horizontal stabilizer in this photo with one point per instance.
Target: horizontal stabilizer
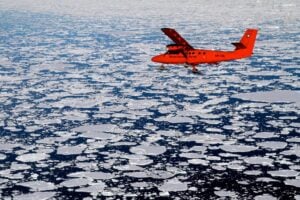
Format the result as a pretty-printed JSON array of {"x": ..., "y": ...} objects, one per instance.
[{"x": 238, "y": 45}]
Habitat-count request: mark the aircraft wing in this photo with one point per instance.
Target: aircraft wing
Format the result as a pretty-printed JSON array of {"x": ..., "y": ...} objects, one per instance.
[{"x": 173, "y": 35}]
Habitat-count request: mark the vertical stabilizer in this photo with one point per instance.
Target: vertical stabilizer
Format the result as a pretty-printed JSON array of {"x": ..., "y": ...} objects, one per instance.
[{"x": 248, "y": 40}]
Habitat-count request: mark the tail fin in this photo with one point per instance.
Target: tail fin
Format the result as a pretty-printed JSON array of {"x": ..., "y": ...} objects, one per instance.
[{"x": 247, "y": 41}]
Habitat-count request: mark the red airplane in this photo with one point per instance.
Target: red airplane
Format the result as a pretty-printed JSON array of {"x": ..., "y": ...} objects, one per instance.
[{"x": 181, "y": 52}]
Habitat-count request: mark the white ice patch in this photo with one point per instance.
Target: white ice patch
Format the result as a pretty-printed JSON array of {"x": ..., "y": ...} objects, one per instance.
[
  {"x": 35, "y": 196},
  {"x": 198, "y": 162},
  {"x": 293, "y": 182},
  {"x": 255, "y": 160},
  {"x": 266, "y": 179},
  {"x": 265, "y": 197},
  {"x": 18, "y": 167},
  {"x": 75, "y": 182},
  {"x": 272, "y": 145},
  {"x": 205, "y": 138},
  {"x": 137, "y": 174},
  {"x": 175, "y": 119},
  {"x": 283, "y": 173},
  {"x": 294, "y": 139},
  {"x": 7, "y": 147},
  {"x": 238, "y": 148},
  {"x": 173, "y": 185},
  {"x": 101, "y": 131},
  {"x": 128, "y": 168},
  {"x": 93, "y": 189},
  {"x": 140, "y": 162},
  {"x": 252, "y": 172},
  {"x": 275, "y": 96},
  {"x": 76, "y": 103},
  {"x": 2, "y": 156},
  {"x": 264, "y": 135},
  {"x": 32, "y": 157},
  {"x": 190, "y": 155},
  {"x": 38, "y": 185},
  {"x": 70, "y": 150},
  {"x": 295, "y": 150},
  {"x": 148, "y": 149},
  {"x": 92, "y": 175},
  {"x": 225, "y": 193}
]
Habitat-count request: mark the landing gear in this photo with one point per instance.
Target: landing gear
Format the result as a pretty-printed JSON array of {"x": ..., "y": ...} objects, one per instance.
[
  {"x": 194, "y": 70},
  {"x": 162, "y": 67}
]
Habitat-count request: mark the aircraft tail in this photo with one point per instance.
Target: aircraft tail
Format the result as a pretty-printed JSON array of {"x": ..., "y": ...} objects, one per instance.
[{"x": 247, "y": 41}]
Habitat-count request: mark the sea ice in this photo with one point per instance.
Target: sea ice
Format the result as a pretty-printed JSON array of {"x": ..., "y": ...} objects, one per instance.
[
  {"x": 35, "y": 196},
  {"x": 293, "y": 182},
  {"x": 264, "y": 197},
  {"x": 75, "y": 182},
  {"x": 92, "y": 175},
  {"x": 32, "y": 157},
  {"x": 38, "y": 185},
  {"x": 70, "y": 150},
  {"x": 205, "y": 138},
  {"x": 101, "y": 132},
  {"x": 226, "y": 193},
  {"x": 283, "y": 173},
  {"x": 238, "y": 148},
  {"x": 173, "y": 185},
  {"x": 2, "y": 156},
  {"x": 275, "y": 96},
  {"x": 273, "y": 145},
  {"x": 148, "y": 149},
  {"x": 256, "y": 160},
  {"x": 93, "y": 189}
]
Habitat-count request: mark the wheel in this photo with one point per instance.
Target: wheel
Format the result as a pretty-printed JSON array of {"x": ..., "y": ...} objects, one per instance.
[
  {"x": 162, "y": 67},
  {"x": 195, "y": 70}
]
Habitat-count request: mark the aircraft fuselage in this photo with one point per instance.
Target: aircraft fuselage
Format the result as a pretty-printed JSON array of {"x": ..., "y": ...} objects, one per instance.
[
  {"x": 181, "y": 52},
  {"x": 199, "y": 56}
]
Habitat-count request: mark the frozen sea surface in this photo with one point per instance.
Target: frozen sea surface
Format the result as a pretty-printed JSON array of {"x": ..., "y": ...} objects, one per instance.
[{"x": 84, "y": 114}]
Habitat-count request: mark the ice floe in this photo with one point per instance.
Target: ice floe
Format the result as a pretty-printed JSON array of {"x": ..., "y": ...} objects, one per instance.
[
  {"x": 93, "y": 189},
  {"x": 293, "y": 182},
  {"x": 205, "y": 138},
  {"x": 276, "y": 96},
  {"x": 32, "y": 157},
  {"x": 35, "y": 196},
  {"x": 272, "y": 145},
  {"x": 225, "y": 193},
  {"x": 238, "y": 148},
  {"x": 265, "y": 197},
  {"x": 92, "y": 175},
  {"x": 75, "y": 182},
  {"x": 148, "y": 149},
  {"x": 283, "y": 173},
  {"x": 255, "y": 160},
  {"x": 70, "y": 150},
  {"x": 38, "y": 185},
  {"x": 173, "y": 185}
]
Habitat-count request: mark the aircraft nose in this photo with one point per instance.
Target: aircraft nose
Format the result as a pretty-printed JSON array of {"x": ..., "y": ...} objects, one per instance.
[{"x": 157, "y": 58}]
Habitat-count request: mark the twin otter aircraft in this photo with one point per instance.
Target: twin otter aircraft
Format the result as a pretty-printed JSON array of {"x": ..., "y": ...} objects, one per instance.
[{"x": 183, "y": 53}]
